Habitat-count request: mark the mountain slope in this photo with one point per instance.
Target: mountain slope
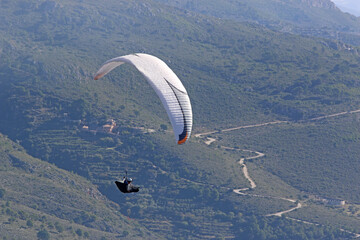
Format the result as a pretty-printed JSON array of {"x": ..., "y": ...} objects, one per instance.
[
  {"x": 245, "y": 66},
  {"x": 236, "y": 74},
  {"x": 320, "y": 18},
  {"x": 37, "y": 196}
]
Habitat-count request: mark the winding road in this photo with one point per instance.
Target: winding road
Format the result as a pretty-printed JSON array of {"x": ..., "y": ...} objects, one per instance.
[{"x": 243, "y": 191}]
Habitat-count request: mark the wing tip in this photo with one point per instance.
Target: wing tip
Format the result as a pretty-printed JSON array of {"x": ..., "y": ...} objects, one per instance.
[
  {"x": 98, "y": 76},
  {"x": 182, "y": 141}
]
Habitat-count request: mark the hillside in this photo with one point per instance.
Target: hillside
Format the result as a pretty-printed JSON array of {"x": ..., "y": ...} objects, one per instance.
[
  {"x": 237, "y": 74},
  {"x": 39, "y": 197},
  {"x": 318, "y": 18},
  {"x": 255, "y": 72}
]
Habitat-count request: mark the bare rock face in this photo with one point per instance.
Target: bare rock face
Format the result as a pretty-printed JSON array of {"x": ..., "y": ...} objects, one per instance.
[{"x": 319, "y": 3}]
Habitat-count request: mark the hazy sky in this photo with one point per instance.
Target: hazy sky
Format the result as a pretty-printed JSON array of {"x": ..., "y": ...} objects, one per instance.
[{"x": 350, "y": 6}]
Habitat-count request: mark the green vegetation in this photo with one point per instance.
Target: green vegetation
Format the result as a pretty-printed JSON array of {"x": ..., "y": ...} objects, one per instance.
[
  {"x": 311, "y": 156},
  {"x": 2, "y": 193},
  {"x": 48, "y": 202},
  {"x": 281, "y": 228},
  {"x": 309, "y": 18},
  {"x": 235, "y": 73},
  {"x": 289, "y": 75},
  {"x": 43, "y": 235}
]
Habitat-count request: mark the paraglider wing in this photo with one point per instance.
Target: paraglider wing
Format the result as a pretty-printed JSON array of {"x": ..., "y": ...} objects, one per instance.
[{"x": 167, "y": 86}]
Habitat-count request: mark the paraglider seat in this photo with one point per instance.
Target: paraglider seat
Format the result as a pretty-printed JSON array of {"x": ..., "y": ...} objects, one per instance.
[{"x": 126, "y": 188}]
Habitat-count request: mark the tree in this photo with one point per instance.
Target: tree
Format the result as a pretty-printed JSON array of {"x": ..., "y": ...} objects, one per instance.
[
  {"x": 43, "y": 235},
  {"x": 79, "y": 232},
  {"x": 125, "y": 233},
  {"x": 29, "y": 223},
  {"x": 79, "y": 109},
  {"x": 107, "y": 142},
  {"x": 2, "y": 193}
]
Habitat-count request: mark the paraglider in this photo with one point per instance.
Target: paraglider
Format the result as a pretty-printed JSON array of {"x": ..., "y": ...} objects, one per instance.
[
  {"x": 167, "y": 86},
  {"x": 126, "y": 186}
]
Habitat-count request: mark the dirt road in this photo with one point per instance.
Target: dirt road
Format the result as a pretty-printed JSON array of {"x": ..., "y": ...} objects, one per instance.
[{"x": 244, "y": 191}]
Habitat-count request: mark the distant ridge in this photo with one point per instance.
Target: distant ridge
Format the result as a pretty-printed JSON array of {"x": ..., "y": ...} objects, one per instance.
[
  {"x": 319, "y": 3},
  {"x": 319, "y": 18}
]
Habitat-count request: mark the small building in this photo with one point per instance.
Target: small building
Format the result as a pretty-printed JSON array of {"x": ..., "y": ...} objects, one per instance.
[
  {"x": 109, "y": 126},
  {"x": 333, "y": 202},
  {"x": 85, "y": 128}
]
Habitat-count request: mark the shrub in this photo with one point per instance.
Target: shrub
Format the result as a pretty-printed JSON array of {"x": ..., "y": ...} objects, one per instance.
[
  {"x": 79, "y": 232},
  {"x": 43, "y": 235},
  {"x": 29, "y": 223},
  {"x": 2, "y": 193},
  {"x": 163, "y": 127},
  {"x": 58, "y": 227}
]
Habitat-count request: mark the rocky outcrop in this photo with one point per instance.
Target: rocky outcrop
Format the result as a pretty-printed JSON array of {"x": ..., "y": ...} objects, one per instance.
[{"x": 320, "y": 3}]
